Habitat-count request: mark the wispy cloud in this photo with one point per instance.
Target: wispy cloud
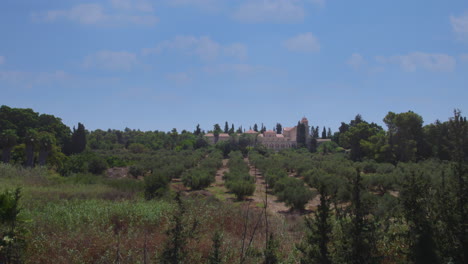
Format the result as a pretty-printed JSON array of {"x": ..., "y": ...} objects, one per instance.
[
  {"x": 209, "y": 5},
  {"x": 278, "y": 11},
  {"x": 139, "y": 5},
  {"x": 305, "y": 42},
  {"x": 356, "y": 61},
  {"x": 33, "y": 79},
  {"x": 203, "y": 47},
  {"x": 411, "y": 62},
  {"x": 460, "y": 25},
  {"x": 120, "y": 13},
  {"x": 111, "y": 60},
  {"x": 236, "y": 68}
]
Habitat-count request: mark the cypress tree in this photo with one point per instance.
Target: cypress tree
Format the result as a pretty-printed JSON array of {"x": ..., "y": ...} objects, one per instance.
[
  {"x": 324, "y": 133},
  {"x": 226, "y": 127},
  {"x": 279, "y": 128},
  {"x": 78, "y": 140}
]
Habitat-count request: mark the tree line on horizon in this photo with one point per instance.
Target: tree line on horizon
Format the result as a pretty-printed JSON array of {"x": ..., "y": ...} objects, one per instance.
[{"x": 29, "y": 138}]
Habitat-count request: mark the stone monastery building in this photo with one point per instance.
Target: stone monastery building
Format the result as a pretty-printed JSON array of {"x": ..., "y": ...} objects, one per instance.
[{"x": 270, "y": 139}]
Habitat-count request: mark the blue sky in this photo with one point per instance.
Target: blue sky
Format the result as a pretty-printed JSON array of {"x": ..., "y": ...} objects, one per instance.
[{"x": 160, "y": 64}]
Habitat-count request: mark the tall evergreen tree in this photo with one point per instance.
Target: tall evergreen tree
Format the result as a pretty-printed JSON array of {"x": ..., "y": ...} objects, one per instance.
[
  {"x": 279, "y": 128},
  {"x": 361, "y": 230},
  {"x": 301, "y": 135},
  {"x": 316, "y": 132},
  {"x": 226, "y": 127},
  {"x": 329, "y": 133},
  {"x": 255, "y": 128},
  {"x": 216, "y": 131},
  {"x": 231, "y": 131},
  {"x": 324, "y": 133},
  {"x": 414, "y": 197},
  {"x": 315, "y": 245},
  {"x": 458, "y": 136},
  {"x": 78, "y": 140},
  {"x": 197, "y": 130}
]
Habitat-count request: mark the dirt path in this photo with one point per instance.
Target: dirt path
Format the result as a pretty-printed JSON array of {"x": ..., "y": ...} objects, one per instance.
[
  {"x": 273, "y": 204},
  {"x": 258, "y": 197},
  {"x": 219, "y": 174}
]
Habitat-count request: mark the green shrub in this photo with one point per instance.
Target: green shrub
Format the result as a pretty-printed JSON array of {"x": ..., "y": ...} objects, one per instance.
[
  {"x": 156, "y": 185},
  {"x": 241, "y": 188}
]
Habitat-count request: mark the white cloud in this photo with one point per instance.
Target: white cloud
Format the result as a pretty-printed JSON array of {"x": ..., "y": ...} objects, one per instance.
[
  {"x": 94, "y": 14},
  {"x": 236, "y": 50},
  {"x": 237, "y": 68},
  {"x": 139, "y": 5},
  {"x": 203, "y": 47},
  {"x": 305, "y": 42},
  {"x": 270, "y": 11},
  {"x": 111, "y": 60},
  {"x": 202, "y": 4},
  {"x": 460, "y": 25},
  {"x": 356, "y": 61},
  {"x": 420, "y": 60},
  {"x": 2, "y": 60},
  {"x": 32, "y": 79}
]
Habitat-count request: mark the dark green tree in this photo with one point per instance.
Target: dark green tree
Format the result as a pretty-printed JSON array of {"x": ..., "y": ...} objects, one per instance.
[
  {"x": 255, "y": 128},
  {"x": 226, "y": 127},
  {"x": 414, "y": 197},
  {"x": 31, "y": 141},
  {"x": 301, "y": 135},
  {"x": 46, "y": 144},
  {"x": 215, "y": 255},
  {"x": 8, "y": 139},
  {"x": 231, "y": 130},
  {"x": 405, "y": 135},
  {"x": 78, "y": 139},
  {"x": 329, "y": 133},
  {"x": 279, "y": 128},
  {"x": 197, "y": 130},
  {"x": 315, "y": 245},
  {"x": 315, "y": 132},
  {"x": 324, "y": 133},
  {"x": 458, "y": 138}
]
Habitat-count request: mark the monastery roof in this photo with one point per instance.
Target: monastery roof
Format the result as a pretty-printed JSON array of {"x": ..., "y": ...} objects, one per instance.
[
  {"x": 288, "y": 128},
  {"x": 269, "y": 132},
  {"x": 279, "y": 135},
  {"x": 251, "y": 132}
]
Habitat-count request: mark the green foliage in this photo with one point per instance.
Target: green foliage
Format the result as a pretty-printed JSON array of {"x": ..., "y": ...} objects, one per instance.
[
  {"x": 293, "y": 192},
  {"x": 272, "y": 250},
  {"x": 215, "y": 254},
  {"x": 238, "y": 179},
  {"x": 84, "y": 162},
  {"x": 12, "y": 232},
  {"x": 156, "y": 185}
]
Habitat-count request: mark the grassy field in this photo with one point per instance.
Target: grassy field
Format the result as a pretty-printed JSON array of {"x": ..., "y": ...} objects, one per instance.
[{"x": 90, "y": 219}]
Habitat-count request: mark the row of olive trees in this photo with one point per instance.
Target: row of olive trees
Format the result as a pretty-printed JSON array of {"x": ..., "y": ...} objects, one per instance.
[{"x": 238, "y": 179}]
